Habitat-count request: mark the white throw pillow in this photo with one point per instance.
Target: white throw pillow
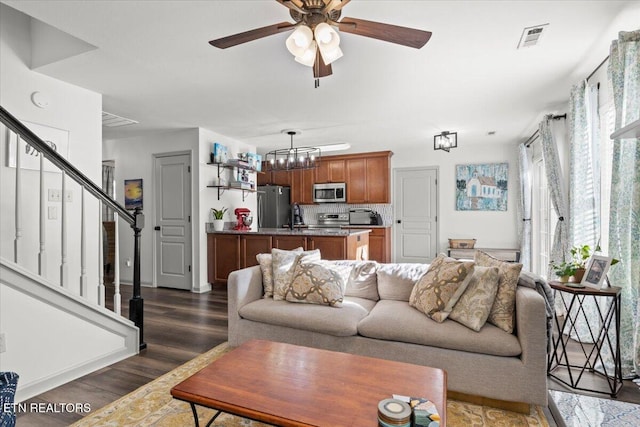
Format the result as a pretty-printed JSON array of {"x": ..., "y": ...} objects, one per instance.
[
  {"x": 266, "y": 267},
  {"x": 282, "y": 263}
]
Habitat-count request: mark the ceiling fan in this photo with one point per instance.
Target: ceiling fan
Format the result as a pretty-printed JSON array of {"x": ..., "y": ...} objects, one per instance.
[{"x": 314, "y": 42}]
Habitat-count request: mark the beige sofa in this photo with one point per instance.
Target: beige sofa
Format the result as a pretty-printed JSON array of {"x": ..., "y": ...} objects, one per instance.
[{"x": 491, "y": 363}]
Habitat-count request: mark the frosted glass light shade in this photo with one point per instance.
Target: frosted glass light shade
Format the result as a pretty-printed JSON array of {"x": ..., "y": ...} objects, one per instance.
[
  {"x": 308, "y": 58},
  {"x": 330, "y": 55},
  {"x": 326, "y": 36},
  {"x": 299, "y": 40}
]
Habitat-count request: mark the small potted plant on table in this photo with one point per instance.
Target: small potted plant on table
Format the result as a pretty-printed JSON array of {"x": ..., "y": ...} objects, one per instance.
[{"x": 218, "y": 218}]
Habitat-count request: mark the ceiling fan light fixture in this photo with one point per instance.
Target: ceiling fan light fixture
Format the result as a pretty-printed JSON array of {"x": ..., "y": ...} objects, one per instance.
[
  {"x": 308, "y": 58},
  {"x": 330, "y": 55},
  {"x": 326, "y": 36},
  {"x": 299, "y": 40}
]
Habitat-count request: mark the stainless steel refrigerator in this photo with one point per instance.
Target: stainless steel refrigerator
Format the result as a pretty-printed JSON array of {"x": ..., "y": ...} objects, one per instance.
[{"x": 274, "y": 206}]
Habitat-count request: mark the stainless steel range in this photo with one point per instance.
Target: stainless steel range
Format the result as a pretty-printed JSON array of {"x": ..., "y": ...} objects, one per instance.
[{"x": 331, "y": 220}]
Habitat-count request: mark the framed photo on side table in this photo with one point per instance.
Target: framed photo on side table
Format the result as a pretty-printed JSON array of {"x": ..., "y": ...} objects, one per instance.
[{"x": 596, "y": 272}]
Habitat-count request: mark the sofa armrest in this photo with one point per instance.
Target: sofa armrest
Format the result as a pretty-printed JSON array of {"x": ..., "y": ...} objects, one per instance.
[
  {"x": 243, "y": 287},
  {"x": 531, "y": 327}
]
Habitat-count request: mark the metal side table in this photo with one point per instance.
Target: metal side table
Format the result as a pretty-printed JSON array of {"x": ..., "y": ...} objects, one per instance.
[{"x": 608, "y": 310}]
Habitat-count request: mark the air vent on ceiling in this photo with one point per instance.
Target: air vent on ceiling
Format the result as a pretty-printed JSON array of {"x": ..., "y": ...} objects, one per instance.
[
  {"x": 111, "y": 120},
  {"x": 531, "y": 36}
]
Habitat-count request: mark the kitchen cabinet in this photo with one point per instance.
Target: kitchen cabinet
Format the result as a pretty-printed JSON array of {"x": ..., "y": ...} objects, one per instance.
[
  {"x": 379, "y": 243},
  {"x": 377, "y": 171},
  {"x": 250, "y": 246},
  {"x": 302, "y": 181},
  {"x": 356, "y": 181},
  {"x": 330, "y": 170},
  {"x": 289, "y": 242},
  {"x": 224, "y": 256}
]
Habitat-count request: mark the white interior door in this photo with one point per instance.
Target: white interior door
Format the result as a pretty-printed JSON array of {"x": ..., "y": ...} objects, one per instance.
[
  {"x": 173, "y": 221},
  {"x": 415, "y": 214}
]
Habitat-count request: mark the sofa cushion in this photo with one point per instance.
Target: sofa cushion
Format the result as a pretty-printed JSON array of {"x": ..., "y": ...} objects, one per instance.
[
  {"x": 341, "y": 322},
  {"x": 363, "y": 281},
  {"x": 283, "y": 262},
  {"x": 397, "y": 321},
  {"x": 437, "y": 291},
  {"x": 266, "y": 267},
  {"x": 396, "y": 281},
  {"x": 473, "y": 307},
  {"x": 318, "y": 282},
  {"x": 504, "y": 306}
]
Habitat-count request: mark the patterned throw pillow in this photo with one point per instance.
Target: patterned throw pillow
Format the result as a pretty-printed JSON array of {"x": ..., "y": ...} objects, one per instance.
[
  {"x": 437, "y": 291},
  {"x": 265, "y": 261},
  {"x": 474, "y": 305},
  {"x": 317, "y": 282},
  {"x": 504, "y": 306},
  {"x": 282, "y": 263}
]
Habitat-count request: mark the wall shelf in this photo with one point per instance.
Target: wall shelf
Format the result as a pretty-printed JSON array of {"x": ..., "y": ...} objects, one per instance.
[
  {"x": 632, "y": 130},
  {"x": 223, "y": 188}
]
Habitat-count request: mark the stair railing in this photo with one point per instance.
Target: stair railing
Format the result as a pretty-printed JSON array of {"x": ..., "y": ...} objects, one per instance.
[{"x": 135, "y": 220}]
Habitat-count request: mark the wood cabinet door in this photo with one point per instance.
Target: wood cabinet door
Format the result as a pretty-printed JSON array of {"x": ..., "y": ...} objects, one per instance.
[
  {"x": 289, "y": 242},
  {"x": 263, "y": 178},
  {"x": 356, "y": 181},
  {"x": 377, "y": 180},
  {"x": 330, "y": 170},
  {"x": 250, "y": 246},
  {"x": 306, "y": 192},
  {"x": 380, "y": 245},
  {"x": 225, "y": 256},
  {"x": 281, "y": 178},
  {"x": 330, "y": 247},
  {"x": 296, "y": 186}
]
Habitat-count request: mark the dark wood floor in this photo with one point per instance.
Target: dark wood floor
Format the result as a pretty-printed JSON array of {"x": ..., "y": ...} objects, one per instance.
[{"x": 179, "y": 325}]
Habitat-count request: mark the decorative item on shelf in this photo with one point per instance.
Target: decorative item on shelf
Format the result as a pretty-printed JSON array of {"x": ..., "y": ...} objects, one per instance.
[
  {"x": 292, "y": 158},
  {"x": 219, "y": 153},
  {"x": 243, "y": 218},
  {"x": 462, "y": 243},
  {"x": 573, "y": 270},
  {"x": 218, "y": 218},
  {"x": 445, "y": 141}
]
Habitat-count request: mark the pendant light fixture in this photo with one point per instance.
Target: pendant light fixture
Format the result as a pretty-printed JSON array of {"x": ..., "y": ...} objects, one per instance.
[
  {"x": 445, "y": 141},
  {"x": 292, "y": 158}
]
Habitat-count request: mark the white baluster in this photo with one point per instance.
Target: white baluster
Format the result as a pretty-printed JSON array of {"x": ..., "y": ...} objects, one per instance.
[
  {"x": 42, "y": 256},
  {"x": 116, "y": 269},
  {"x": 100, "y": 258},
  {"x": 64, "y": 268},
  {"x": 17, "y": 243},
  {"x": 84, "y": 287}
]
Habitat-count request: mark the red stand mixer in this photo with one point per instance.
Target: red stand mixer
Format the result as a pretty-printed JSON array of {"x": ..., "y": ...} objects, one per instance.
[{"x": 243, "y": 218}]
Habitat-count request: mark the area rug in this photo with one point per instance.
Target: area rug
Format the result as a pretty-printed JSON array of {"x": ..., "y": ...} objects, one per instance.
[
  {"x": 152, "y": 405},
  {"x": 587, "y": 411}
]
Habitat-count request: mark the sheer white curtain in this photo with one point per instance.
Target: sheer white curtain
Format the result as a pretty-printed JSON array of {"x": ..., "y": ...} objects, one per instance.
[
  {"x": 524, "y": 164},
  {"x": 108, "y": 187},
  {"x": 560, "y": 247}
]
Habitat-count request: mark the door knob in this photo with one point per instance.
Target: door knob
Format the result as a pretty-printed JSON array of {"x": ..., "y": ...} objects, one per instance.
[
  {"x": 157, "y": 228},
  {"x": 399, "y": 221}
]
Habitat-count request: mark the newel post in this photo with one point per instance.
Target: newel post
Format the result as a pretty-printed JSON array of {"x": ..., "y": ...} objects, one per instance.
[{"x": 136, "y": 303}]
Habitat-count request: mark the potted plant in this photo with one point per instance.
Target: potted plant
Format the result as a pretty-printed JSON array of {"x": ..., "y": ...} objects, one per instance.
[
  {"x": 218, "y": 218},
  {"x": 579, "y": 256},
  {"x": 564, "y": 270}
]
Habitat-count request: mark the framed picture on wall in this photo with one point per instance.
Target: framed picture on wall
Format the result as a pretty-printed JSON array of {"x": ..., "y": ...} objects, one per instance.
[
  {"x": 482, "y": 187},
  {"x": 597, "y": 269},
  {"x": 133, "y": 193},
  {"x": 57, "y": 139}
]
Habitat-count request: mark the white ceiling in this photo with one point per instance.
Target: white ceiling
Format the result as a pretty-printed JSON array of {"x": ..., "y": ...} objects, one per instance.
[{"x": 153, "y": 65}]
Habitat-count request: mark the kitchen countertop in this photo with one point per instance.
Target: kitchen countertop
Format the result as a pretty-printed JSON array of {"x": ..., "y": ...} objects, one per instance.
[{"x": 296, "y": 232}]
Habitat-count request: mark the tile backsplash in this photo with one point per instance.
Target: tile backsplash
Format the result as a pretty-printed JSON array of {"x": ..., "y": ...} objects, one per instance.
[{"x": 310, "y": 212}]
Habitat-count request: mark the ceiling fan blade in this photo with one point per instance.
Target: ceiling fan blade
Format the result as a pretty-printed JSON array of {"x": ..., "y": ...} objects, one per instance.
[
  {"x": 335, "y": 5},
  {"x": 293, "y": 6},
  {"x": 251, "y": 35},
  {"x": 386, "y": 32},
  {"x": 320, "y": 69}
]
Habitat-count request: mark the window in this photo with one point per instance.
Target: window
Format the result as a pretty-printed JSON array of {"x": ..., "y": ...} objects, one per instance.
[{"x": 543, "y": 221}]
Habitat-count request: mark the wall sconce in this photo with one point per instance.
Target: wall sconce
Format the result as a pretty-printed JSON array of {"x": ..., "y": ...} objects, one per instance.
[{"x": 445, "y": 141}]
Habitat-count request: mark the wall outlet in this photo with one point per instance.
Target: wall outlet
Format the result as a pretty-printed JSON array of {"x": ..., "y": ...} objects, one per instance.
[
  {"x": 3, "y": 342},
  {"x": 128, "y": 262},
  {"x": 54, "y": 195},
  {"x": 68, "y": 196},
  {"x": 52, "y": 212}
]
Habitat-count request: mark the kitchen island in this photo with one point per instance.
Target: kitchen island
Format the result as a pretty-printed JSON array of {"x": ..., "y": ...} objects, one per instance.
[{"x": 231, "y": 250}]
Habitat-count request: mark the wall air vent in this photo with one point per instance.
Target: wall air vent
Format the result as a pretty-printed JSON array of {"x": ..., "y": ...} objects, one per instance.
[
  {"x": 531, "y": 36},
  {"x": 112, "y": 121}
]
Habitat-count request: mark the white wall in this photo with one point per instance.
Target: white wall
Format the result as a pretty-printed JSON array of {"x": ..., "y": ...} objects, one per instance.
[
  {"x": 491, "y": 229},
  {"x": 73, "y": 109},
  {"x": 134, "y": 158}
]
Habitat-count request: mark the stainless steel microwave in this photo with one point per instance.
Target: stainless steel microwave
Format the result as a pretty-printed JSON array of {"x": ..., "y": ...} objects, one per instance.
[{"x": 335, "y": 192}]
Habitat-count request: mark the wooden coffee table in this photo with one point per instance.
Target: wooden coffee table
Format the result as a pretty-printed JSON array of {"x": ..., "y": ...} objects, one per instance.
[{"x": 289, "y": 385}]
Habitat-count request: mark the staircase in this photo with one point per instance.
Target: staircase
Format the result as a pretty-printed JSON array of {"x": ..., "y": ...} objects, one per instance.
[{"x": 54, "y": 326}]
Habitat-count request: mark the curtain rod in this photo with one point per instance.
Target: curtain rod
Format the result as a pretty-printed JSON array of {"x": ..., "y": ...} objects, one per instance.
[
  {"x": 534, "y": 136},
  {"x": 598, "y": 67}
]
